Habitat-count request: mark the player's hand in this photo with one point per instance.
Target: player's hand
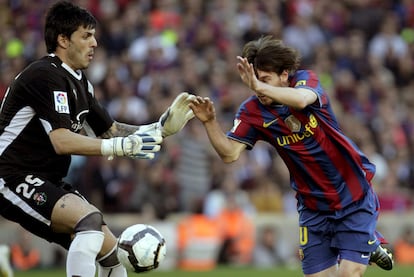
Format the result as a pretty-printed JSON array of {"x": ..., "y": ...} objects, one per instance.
[
  {"x": 137, "y": 146},
  {"x": 203, "y": 109},
  {"x": 246, "y": 72},
  {"x": 177, "y": 115}
]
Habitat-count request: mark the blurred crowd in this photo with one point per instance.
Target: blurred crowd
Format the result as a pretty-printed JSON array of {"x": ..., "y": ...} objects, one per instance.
[{"x": 151, "y": 50}]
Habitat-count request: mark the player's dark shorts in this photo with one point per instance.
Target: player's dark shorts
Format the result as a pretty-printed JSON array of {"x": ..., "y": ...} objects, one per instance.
[
  {"x": 327, "y": 237},
  {"x": 29, "y": 201}
]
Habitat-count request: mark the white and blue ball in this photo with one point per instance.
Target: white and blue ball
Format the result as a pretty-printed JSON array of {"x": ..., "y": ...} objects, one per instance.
[{"x": 141, "y": 248}]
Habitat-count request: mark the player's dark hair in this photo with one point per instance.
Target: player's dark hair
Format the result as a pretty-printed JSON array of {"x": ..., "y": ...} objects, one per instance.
[
  {"x": 64, "y": 18},
  {"x": 271, "y": 55}
]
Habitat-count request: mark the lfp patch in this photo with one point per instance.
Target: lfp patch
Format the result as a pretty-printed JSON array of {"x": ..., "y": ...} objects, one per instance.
[{"x": 61, "y": 102}]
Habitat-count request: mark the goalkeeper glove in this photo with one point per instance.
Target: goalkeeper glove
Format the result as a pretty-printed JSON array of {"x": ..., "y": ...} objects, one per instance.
[
  {"x": 173, "y": 119},
  {"x": 137, "y": 146},
  {"x": 177, "y": 115},
  {"x": 153, "y": 129}
]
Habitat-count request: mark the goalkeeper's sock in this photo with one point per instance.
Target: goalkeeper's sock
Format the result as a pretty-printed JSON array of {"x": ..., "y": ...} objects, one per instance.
[
  {"x": 117, "y": 271},
  {"x": 82, "y": 254},
  {"x": 109, "y": 266},
  {"x": 5, "y": 266}
]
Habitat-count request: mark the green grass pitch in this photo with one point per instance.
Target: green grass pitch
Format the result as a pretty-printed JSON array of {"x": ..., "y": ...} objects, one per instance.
[{"x": 372, "y": 271}]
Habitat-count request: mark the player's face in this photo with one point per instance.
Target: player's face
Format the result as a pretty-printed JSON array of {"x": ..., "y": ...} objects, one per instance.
[
  {"x": 81, "y": 48},
  {"x": 271, "y": 78}
]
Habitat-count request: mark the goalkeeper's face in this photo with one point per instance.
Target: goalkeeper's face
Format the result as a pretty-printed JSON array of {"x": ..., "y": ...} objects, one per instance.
[
  {"x": 273, "y": 79},
  {"x": 80, "y": 48}
]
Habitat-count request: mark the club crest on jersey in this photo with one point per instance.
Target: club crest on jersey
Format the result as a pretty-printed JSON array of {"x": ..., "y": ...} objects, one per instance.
[
  {"x": 293, "y": 123},
  {"x": 295, "y": 126},
  {"x": 61, "y": 102},
  {"x": 40, "y": 198}
]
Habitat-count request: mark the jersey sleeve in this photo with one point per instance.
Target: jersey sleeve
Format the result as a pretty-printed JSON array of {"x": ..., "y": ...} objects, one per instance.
[
  {"x": 98, "y": 118},
  {"x": 243, "y": 127},
  {"x": 56, "y": 102},
  {"x": 309, "y": 80},
  {"x": 49, "y": 98}
]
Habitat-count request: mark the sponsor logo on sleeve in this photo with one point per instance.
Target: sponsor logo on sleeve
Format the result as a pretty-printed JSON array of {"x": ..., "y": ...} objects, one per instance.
[
  {"x": 61, "y": 102},
  {"x": 300, "y": 83},
  {"x": 236, "y": 123}
]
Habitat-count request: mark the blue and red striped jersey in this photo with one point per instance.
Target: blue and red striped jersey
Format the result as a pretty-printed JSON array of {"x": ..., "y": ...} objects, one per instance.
[{"x": 327, "y": 170}]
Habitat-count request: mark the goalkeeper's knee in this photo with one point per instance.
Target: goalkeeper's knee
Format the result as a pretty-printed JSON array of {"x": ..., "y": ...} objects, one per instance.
[{"x": 88, "y": 235}]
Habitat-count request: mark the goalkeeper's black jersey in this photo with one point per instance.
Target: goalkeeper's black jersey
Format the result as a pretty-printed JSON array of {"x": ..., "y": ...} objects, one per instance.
[{"x": 47, "y": 95}]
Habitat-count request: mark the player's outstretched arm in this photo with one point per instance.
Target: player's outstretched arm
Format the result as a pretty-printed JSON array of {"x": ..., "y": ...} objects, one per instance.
[
  {"x": 135, "y": 145},
  {"x": 128, "y": 140},
  {"x": 229, "y": 150}
]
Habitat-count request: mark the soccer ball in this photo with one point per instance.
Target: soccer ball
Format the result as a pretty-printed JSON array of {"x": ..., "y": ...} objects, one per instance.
[{"x": 141, "y": 248}]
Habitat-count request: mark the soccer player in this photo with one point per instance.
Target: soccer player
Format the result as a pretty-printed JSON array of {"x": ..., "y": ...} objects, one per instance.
[
  {"x": 337, "y": 205},
  {"x": 41, "y": 118}
]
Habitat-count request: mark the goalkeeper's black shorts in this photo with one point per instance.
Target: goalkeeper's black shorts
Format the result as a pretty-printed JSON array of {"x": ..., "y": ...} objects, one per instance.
[{"x": 29, "y": 200}]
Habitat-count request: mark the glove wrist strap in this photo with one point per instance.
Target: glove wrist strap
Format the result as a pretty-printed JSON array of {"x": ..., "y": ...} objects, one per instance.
[{"x": 107, "y": 147}]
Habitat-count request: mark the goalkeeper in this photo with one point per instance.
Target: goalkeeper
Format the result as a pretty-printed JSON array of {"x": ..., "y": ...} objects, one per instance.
[{"x": 47, "y": 106}]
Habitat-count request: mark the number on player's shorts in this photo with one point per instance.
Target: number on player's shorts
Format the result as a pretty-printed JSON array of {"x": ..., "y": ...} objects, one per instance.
[
  {"x": 303, "y": 235},
  {"x": 24, "y": 188}
]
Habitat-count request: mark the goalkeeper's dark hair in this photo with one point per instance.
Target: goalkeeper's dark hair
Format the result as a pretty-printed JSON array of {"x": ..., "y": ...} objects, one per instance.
[
  {"x": 271, "y": 55},
  {"x": 64, "y": 18}
]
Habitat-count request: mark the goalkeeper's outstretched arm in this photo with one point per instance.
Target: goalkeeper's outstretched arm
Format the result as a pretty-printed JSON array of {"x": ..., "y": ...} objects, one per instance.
[{"x": 142, "y": 141}]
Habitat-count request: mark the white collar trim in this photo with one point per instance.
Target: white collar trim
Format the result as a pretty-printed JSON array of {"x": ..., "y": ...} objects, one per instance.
[{"x": 77, "y": 74}]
